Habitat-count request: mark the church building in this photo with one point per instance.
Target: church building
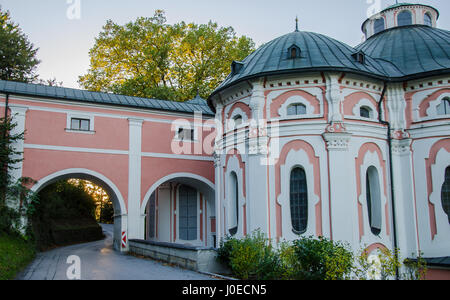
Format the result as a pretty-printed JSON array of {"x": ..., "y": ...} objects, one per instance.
[{"x": 307, "y": 136}]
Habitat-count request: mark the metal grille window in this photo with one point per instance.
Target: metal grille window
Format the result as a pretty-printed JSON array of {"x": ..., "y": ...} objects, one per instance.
[
  {"x": 299, "y": 200},
  {"x": 188, "y": 213},
  {"x": 373, "y": 200},
  {"x": 404, "y": 18},
  {"x": 80, "y": 124},
  {"x": 445, "y": 194},
  {"x": 379, "y": 25},
  {"x": 296, "y": 109}
]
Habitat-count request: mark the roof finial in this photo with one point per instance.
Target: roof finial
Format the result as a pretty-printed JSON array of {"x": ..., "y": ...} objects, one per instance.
[{"x": 296, "y": 24}]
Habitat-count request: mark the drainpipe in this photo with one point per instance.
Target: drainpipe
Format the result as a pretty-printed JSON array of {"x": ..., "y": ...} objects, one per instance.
[{"x": 391, "y": 172}]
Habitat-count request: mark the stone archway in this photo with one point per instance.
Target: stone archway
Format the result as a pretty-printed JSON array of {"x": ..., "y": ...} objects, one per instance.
[{"x": 120, "y": 211}]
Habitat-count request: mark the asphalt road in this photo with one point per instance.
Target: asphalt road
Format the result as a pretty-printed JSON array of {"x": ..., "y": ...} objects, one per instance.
[{"x": 98, "y": 261}]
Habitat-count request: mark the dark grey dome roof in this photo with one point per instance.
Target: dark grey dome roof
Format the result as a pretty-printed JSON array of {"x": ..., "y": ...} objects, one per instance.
[
  {"x": 414, "y": 50},
  {"x": 318, "y": 53}
]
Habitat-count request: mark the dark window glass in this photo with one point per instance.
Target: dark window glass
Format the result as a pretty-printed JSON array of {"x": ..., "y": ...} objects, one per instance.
[
  {"x": 373, "y": 200},
  {"x": 445, "y": 194},
  {"x": 365, "y": 112},
  {"x": 446, "y": 106},
  {"x": 427, "y": 20},
  {"x": 188, "y": 213},
  {"x": 404, "y": 18},
  {"x": 296, "y": 110},
  {"x": 379, "y": 25},
  {"x": 299, "y": 200},
  {"x": 234, "y": 194},
  {"x": 185, "y": 134},
  {"x": 152, "y": 217},
  {"x": 80, "y": 124}
]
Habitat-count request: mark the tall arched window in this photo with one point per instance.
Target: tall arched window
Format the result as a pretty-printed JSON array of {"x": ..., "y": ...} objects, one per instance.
[
  {"x": 234, "y": 204},
  {"x": 373, "y": 198},
  {"x": 428, "y": 20},
  {"x": 444, "y": 107},
  {"x": 299, "y": 200},
  {"x": 445, "y": 193},
  {"x": 404, "y": 18},
  {"x": 296, "y": 109},
  {"x": 187, "y": 214},
  {"x": 151, "y": 217},
  {"x": 378, "y": 25}
]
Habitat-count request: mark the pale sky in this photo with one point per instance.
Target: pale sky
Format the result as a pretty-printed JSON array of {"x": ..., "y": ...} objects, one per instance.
[{"x": 64, "y": 43}]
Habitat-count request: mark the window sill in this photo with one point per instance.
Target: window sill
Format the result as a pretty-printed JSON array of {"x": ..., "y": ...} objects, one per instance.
[{"x": 79, "y": 131}]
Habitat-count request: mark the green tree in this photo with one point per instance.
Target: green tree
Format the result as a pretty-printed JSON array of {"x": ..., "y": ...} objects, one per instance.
[
  {"x": 16, "y": 199},
  {"x": 18, "y": 60},
  {"x": 150, "y": 58}
]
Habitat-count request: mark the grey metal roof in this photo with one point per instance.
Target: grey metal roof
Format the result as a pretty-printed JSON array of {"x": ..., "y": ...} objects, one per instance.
[
  {"x": 60, "y": 93},
  {"x": 318, "y": 53},
  {"x": 414, "y": 49},
  {"x": 436, "y": 261},
  {"x": 396, "y": 54}
]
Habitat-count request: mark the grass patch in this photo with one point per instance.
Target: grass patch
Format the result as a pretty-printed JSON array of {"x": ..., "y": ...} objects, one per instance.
[{"x": 15, "y": 255}]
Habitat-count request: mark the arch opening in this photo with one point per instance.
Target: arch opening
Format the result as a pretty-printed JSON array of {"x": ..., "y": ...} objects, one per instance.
[
  {"x": 119, "y": 209},
  {"x": 180, "y": 209}
]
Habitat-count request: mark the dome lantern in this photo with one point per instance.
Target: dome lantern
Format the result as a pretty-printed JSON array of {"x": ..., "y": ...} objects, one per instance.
[{"x": 398, "y": 15}]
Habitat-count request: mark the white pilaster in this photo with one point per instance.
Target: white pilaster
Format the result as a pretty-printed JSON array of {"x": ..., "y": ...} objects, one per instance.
[
  {"x": 135, "y": 219},
  {"x": 344, "y": 212}
]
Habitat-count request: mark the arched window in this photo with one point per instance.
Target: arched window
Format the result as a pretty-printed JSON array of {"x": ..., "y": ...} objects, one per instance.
[
  {"x": 428, "y": 20},
  {"x": 445, "y": 194},
  {"x": 373, "y": 198},
  {"x": 404, "y": 18},
  {"x": 299, "y": 200},
  {"x": 378, "y": 25},
  {"x": 296, "y": 109},
  {"x": 237, "y": 120},
  {"x": 187, "y": 213},
  {"x": 234, "y": 204},
  {"x": 444, "y": 107},
  {"x": 365, "y": 112}
]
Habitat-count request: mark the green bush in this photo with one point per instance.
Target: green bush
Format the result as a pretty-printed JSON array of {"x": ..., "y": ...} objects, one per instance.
[
  {"x": 251, "y": 258},
  {"x": 322, "y": 259}
]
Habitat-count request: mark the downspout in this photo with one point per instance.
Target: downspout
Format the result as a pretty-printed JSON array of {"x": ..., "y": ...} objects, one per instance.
[{"x": 391, "y": 174}]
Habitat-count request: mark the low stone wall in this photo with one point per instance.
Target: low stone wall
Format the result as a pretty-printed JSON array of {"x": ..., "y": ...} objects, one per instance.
[{"x": 201, "y": 259}]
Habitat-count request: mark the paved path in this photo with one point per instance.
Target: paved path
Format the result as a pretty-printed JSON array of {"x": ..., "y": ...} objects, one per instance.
[{"x": 100, "y": 262}]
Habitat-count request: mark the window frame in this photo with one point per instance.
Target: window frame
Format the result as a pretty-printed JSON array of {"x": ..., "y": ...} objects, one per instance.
[
  {"x": 430, "y": 18},
  {"x": 179, "y": 215},
  {"x": 234, "y": 202},
  {"x": 404, "y": 12},
  {"x": 302, "y": 197},
  {"x": 80, "y": 117},
  {"x": 373, "y": 199},
  {"x": 376, "y": 27},
  {"x": 296, "y": 105}
]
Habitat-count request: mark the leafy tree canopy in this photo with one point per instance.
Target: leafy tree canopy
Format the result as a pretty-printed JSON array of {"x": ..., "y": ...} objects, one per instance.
[
  {"x": 150, "y": 58},
  {"x": 18, "y": 60}
]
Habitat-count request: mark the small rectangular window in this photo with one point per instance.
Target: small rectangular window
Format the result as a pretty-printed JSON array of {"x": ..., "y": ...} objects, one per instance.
[
  {"x": 80, "y": 124},
  {"x": 185, "y": 134}
]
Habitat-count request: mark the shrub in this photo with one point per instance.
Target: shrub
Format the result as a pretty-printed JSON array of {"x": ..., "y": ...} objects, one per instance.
[
  {"x": 252, "y": 257},
  {"x": 321, "y": 259}
]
